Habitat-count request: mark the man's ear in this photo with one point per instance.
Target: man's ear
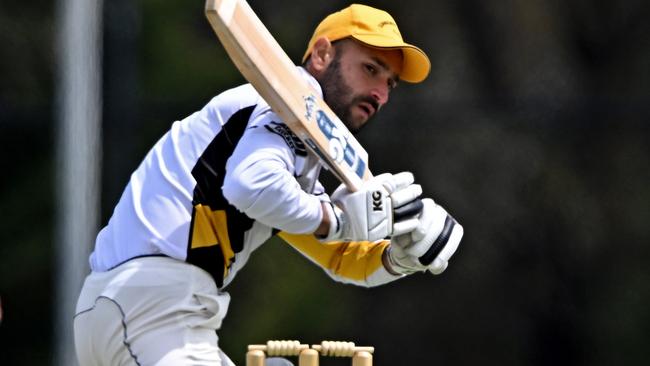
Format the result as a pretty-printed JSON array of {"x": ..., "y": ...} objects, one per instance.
[{"x": 321, "y": 55}]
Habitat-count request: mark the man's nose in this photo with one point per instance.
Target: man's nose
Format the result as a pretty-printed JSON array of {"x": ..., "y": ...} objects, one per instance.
[{"x": 380, "y": 94}]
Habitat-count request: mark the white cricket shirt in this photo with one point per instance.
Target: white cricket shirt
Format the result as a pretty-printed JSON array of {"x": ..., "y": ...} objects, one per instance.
[{"x": 220, "y": 183}]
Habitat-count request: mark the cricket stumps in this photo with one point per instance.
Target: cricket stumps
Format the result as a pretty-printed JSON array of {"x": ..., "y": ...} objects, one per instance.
[{"x": 308, "y": 356}]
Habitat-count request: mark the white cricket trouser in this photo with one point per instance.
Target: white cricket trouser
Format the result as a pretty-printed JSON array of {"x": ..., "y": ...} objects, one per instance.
[{"x": 150, "y": 311}]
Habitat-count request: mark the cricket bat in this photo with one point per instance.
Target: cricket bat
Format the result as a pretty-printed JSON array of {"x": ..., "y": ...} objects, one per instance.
[{"x": 262, "y": 61}]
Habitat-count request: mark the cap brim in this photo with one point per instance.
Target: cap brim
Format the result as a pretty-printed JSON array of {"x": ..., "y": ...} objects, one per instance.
[{"x": 416, "y": 65}]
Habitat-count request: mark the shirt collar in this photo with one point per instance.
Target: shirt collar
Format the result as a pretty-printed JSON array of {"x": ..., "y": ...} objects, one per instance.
[{"x": 311, "y": 80}]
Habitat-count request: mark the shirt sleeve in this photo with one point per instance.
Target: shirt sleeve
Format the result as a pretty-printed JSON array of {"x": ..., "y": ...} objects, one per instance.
[
  {"x": 357, "y": 263},
  {"x": 260, "y": 180}
]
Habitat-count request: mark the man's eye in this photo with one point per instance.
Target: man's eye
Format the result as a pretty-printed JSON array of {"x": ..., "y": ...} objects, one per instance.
[{"x": 371, "y": 69}]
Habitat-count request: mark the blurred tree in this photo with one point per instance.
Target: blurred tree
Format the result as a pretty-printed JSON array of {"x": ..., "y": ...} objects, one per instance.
[{"x": 26, "y": 194}]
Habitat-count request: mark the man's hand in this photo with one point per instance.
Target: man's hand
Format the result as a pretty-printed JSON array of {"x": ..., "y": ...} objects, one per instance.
[
  {"x": 387, "y": 205},
  {"x": 429, "y": 246}
]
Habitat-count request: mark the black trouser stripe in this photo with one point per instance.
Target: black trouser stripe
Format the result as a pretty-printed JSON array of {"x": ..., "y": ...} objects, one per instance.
[{"x": 125, "y": 336}]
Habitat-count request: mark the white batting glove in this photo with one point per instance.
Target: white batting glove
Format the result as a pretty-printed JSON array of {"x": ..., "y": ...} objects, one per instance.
[
  {"x": 369, "y": 214},
  {"x": 429, "y": 246}
]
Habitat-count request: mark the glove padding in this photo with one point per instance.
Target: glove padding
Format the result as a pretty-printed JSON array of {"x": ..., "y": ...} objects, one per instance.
[
  {"x": 429, "y": 246},
  {"x": 368, "y": 214}
]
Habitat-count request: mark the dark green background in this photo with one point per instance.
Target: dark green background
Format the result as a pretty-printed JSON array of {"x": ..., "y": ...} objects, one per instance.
[{"x": 532, "y": 130}]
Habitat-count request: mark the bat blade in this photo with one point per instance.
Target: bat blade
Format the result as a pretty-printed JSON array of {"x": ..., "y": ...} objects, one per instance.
[{"x": 262, "y": 61}]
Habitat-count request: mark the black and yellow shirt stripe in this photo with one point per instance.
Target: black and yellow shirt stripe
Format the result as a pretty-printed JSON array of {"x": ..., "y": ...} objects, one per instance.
[{"x": 217, "y": 228}]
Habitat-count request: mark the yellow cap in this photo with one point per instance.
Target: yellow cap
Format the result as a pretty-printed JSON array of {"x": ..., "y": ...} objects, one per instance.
[{"x": 374, "y": 28}]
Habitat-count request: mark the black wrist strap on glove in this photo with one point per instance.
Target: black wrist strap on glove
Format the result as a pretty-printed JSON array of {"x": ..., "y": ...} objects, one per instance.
[
  {"x": 435, "y": 248},
  {"x": 408, "y": 210}
]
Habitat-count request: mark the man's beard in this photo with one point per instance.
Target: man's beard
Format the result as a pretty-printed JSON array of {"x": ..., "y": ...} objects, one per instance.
[{"x": 339, "y": 97}]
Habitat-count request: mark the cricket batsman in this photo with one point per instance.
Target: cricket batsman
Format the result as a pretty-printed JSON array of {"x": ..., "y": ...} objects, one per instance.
[{"x": 225, "y": 179}]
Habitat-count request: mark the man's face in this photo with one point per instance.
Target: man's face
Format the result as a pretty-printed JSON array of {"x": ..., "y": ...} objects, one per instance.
[{"x": 358, "y": 81}]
